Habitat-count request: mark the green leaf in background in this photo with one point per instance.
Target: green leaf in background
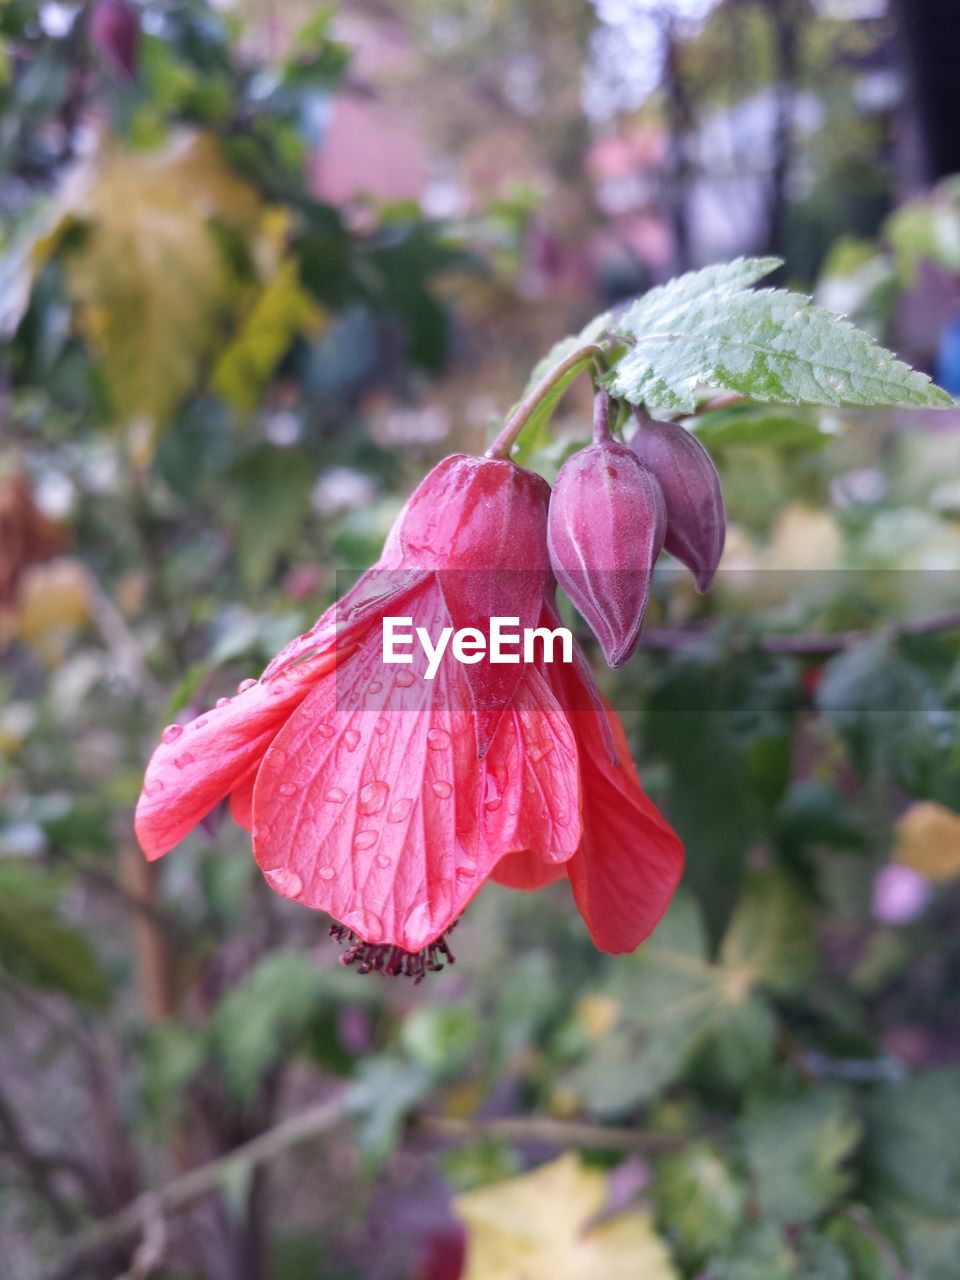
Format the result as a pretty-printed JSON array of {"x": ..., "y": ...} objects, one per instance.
[
  {"x": 747, "y": 425},
  {"x": 37, "y": 947},
  {"x": 912, "y": 1144},
  {"x": 797, "y": 1150},
  {"x": 759, "y": 1254},
  {"x": 675, "y": 1004},
  {"x": 270, "y": 494},
  {"x": 707, "y": 330},
  {"x": 386, "y": 1090},
  {"x": 261, "y": 1017},
  {"x": 282, "y": 312},
  {"x": 701, "y": 1203}
]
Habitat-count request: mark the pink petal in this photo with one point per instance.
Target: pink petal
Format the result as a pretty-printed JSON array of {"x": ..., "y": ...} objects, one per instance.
[{"x": 372, "y": 804}]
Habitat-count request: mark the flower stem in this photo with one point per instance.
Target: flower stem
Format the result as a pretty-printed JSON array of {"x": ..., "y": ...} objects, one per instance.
[
  {"x": 601, "y": 417},
  {"x": 568, "y": 368}
]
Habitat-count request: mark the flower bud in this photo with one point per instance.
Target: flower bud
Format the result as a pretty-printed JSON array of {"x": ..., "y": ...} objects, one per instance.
[
  {"x": 115, "y": 30},
  {"x": 605, "y": 530},
  {"x": 696, "y": 521}
]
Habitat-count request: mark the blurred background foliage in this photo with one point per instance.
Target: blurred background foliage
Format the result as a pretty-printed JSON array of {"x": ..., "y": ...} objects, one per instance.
[{"x": 262, "y": 265}]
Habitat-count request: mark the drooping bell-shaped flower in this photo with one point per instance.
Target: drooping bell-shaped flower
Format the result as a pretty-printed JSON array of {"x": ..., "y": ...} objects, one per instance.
[
  {"x": 386, "y": 797},
  {"x": 696, "y": 520},
  {"x": 605, "y": 531}
]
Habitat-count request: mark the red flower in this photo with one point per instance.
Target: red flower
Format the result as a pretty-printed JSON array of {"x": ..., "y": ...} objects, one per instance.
[{"x": 387, "y": 799}]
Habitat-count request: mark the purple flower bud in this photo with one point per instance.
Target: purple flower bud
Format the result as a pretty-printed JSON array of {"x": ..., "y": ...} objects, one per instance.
[
  {"x": 115, "y": 30},
  {"x": 696, "y": 520},
  {"x": 605, "y": 530}
]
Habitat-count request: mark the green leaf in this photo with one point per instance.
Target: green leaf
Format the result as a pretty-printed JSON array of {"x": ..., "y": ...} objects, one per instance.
[
  {"x": 282, "y": 312},
  {"x": 708, "y": 330},
  {"x": 771, "y": 937},
  {"x": 911, "y": 1140},
  {"x": 759, "y": 1254},
  {"x": 701, "y": 1204},
  {"x": 384, "y": 1093},
  {"x": 259, "y": 1019},
  {"x": 37, "y": 947},
  {"x": 270, "y": 496},
  {"x": 796, "y": 1152},
  {"x": 748, "y": 425}
]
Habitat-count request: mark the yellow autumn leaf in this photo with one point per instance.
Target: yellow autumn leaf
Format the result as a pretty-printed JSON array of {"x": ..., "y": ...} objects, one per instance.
[
  {"x": 282, "y": 311},
  {"x": 928, "y": 840},
  {"x": 149, "y": 278},
  {"x": 546, "y": 1225}
]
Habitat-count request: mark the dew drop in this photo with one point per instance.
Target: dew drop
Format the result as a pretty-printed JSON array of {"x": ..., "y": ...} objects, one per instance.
[
  {"x": 466, "y": 872},
  {"x": 326, "y": 730},
  {"x": 383, "y": 861},
  {"x": 223, "y": 702},
  {"x": 441, "y": 789},
  {"x": 201, "y": 723},
  {"x": 405, "y": 679},
  {"x": 491, "y": 793},
  {"x": 287, "y": 789},
  {"x": 326, "y": 873},
  {"x": 381, "y": 726},
  {"x": 336, "y": 795},
  {"x": 350, "y": 739},
  {"x": 153, "y": 787},
  {"x": 365, "y": 924},
  {"x": 375, "y": 687},
  {"x": 183, "y": 760},
  {"x": 244, "y": 685},
  {"x": 172, "y": 732},
  {"x": 400, "y": 810},
  {"x": 373, "y": 797},
  {"x": 365, "y": 840},
  {"x": 438, "y": 739},
  {"x": 285, "y": 882}
]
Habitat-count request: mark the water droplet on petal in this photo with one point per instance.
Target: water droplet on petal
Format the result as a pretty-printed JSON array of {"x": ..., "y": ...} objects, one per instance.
[
  {"x": 373, "y": 797},
  {"x": 491, "y": 793},
  {"x": 400, "y": 810},
  {"x": 287, "y": 788},
  {"x": 326, "y": 730},
  {"x": 326, "y": 873},
  {"x": 383, "y": 861},
  {"x": 381, "y": 726},
  {"x": 183, "y": 760},
  {"x": 376, "y": 687},
  {"x": 438, "y": 739},
  {"x": 153, "y": 787},
  {"x": 365, "y": 840},
  {"x": 441, "y": 789},
  {"x": 351, "y": 739},
  {"x": 405, "y": 679},
  {"x": 244, "y": 685},
  {"x": 365, "y": 924},
  {"x": 286, "y": 882},
  {"x": 223, "y": 702},
  {"x": 466, "y": 872},
  {"x": 201, "y": 723},
  {"x": 336, "y": 795},
  {"x": 172, "y": 732}
]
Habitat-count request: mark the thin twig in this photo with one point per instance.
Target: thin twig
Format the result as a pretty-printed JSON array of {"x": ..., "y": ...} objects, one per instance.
[
  {"x": 177, "y": 1195},
  {"x": 812, "y": 645},
  {"x": 559, "y": 1133},
  {"x": 183, "y": 1191}
]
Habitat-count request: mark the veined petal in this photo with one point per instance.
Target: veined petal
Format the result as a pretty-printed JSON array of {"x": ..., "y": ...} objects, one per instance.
[
  {"x": 372, "y": 803},
  {"x": 630, "y": 859},
  {"x": 199, "y": 763},
  {"x": 526, "y": 871}
]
